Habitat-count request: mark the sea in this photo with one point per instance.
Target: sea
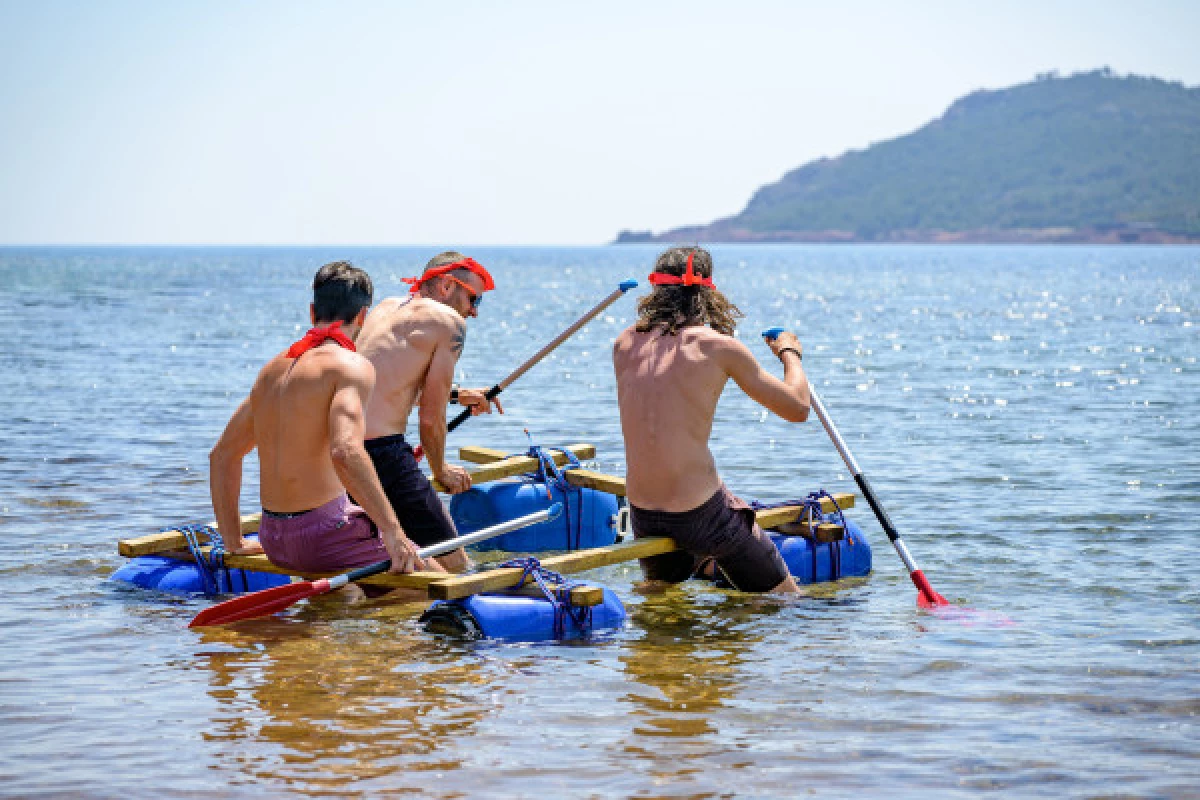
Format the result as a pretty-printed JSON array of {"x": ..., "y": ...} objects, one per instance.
[{"x": 1027, "y": 415}]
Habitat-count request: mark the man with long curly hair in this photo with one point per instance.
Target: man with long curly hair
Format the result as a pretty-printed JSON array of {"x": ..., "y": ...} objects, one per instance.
[{"x": 672, "y": 366}]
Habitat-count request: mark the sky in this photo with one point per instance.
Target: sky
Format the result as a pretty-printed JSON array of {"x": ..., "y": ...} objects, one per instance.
[{"x": 470, "y": 123}]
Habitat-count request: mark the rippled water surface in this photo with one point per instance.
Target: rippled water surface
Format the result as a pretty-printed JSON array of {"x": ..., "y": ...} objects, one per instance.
[{"x": 1028, "y": 415}]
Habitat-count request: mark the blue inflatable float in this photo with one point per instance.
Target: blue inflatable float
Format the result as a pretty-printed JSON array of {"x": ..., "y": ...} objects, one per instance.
[
  {"x": 522, "y": 618},
  {"x": 186, "y": 577},
  {"x": 589, "y": 517},
  {"x": 811, "y": 561}
]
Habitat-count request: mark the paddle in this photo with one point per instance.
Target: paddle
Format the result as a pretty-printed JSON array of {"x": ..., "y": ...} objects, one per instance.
[
  {"x": 926, "y": 596},
  {"x": 491, "y": 393},
  {"x": 268, "y": 601}
]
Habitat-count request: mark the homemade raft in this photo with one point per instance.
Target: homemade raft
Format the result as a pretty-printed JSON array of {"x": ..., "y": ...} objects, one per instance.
[{"x": 525, "y": 599}]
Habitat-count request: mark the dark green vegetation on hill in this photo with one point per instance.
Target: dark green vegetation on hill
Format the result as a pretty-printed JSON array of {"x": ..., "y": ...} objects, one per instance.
[{"x": 1090, "y": 157}]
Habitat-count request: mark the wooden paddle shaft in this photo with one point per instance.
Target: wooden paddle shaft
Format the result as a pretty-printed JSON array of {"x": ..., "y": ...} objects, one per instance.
[{"x": 545, "y": 351}]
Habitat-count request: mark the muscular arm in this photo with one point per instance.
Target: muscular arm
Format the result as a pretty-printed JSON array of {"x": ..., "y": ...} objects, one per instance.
[
  {"x": 225, "y": 478},
  {"x": 347, "y": 424},
  {"x": 789, "y": 398},
  {"x": 435, "y": 395}
]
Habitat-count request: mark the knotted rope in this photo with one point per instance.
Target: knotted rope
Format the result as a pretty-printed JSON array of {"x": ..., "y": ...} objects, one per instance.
[
  {"x": 213, "y": 572},
  {"x": 559, "y": 594},
  {"x": 813, "y": 514},
  {"x": 550, "y": 474}
]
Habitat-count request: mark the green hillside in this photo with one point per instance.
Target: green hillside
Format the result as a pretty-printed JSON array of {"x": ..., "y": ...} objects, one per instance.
[{"x": 1090, "y": 157}]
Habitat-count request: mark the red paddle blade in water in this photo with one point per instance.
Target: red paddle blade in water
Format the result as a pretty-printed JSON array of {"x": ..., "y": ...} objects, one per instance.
[
  {"x": 926, "y": 596},
  {"x": 258, "y": 604}
]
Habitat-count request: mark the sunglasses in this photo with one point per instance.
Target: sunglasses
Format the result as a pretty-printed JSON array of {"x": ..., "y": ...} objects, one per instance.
[{"x": 476, "y": 297}]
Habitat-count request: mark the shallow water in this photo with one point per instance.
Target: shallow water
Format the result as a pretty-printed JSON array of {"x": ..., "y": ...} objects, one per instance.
[{"x": 1028, "y": 416}]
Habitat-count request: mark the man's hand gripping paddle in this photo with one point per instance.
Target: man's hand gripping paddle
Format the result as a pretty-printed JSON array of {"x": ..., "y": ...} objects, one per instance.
[
  {"x": 491, "y": 393},
  {"x": 268, "y": 601},
  {"x": 926, "y": 596}
]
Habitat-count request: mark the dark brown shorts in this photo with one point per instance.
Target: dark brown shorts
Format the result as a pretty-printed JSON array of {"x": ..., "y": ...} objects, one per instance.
[{"x": 722, "y": 529}]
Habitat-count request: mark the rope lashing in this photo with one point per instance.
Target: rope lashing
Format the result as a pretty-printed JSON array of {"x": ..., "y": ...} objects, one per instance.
[
  {"x": 550, "y": 474},
  {"x": 213, "y": 572},
  {"x": 557, "y": 590},
  {"x": 812, "y": 514}
]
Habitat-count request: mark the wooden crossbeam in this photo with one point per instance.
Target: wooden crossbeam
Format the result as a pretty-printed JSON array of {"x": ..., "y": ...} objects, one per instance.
[
  {"x": 584, "y": 560},
  {"x": 519, "y": 465},
  {"x": 489, "y": 455},
  {"x": 163, "y": 541},
  {"x": 585, "y": 478},
  {"x": 774, "y": 517},
  {"x": 579, "y": 561},
  {"x": 580, "y": 595}
]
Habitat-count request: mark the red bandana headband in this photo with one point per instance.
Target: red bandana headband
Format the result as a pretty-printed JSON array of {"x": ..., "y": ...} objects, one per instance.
[
  {"x": 318, "y": 336},
  {"x": 688, "y": 278},
  {"x": 466, "y": 263}
]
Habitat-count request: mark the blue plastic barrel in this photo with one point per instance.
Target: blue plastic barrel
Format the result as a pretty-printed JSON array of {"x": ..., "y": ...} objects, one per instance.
[
  {"x": 813, "y": 562},
  {"x": 517, "y": 618},
  {"x": 588, "y": 518},
  {"x": 185, "y": 577}
]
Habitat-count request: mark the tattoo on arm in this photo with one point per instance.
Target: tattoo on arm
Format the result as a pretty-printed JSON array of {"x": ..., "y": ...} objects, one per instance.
[{"x": 459, "y": 339}]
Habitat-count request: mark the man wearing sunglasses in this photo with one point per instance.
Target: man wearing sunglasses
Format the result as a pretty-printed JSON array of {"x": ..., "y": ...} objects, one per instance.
[{"x": 414, "y": 343}]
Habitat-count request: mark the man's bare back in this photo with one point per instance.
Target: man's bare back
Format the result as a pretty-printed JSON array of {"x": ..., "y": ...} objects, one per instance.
[
  {"x": 292, "y": 402},
  {"x": 667, "y": 390},
  {"x": 401, "y": 337}
]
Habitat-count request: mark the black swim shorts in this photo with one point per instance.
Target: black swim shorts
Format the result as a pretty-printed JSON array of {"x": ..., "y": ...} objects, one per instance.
[{"x": 413, "y": 498}]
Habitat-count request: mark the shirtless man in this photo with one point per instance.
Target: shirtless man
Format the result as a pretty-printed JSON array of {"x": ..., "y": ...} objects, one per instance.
[
  {"x": 672, "y": 366},
  {"x": 414, "y": 344},
  {"x": 305, "y": 416}
]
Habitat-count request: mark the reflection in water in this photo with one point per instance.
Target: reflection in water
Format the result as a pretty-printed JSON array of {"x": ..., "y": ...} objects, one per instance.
[
  {"x": 690, "y": 653},
  {"x": 348, "y": 698}
]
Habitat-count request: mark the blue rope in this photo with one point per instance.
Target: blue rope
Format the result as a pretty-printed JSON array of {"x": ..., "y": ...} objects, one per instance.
[
  {"x": 550, "y": 474},
  {"x": 811, "y": 510},
  {"x": 213, "y": 571},
  {"x": 559, "y": 594}
]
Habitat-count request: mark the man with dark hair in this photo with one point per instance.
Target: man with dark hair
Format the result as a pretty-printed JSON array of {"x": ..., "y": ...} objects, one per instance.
[
  {"x": 414, "y": 344},
  {"x": 672, "y": 366},
  {"x": 305, "y": 414}
]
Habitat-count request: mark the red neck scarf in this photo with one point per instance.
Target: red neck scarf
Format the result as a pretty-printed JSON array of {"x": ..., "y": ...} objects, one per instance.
[
  {"x": 688, "y": 278},
  {"x": 318, "y": 336}
]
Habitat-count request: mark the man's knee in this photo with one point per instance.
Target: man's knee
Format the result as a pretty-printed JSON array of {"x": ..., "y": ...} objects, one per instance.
[{"x": 456, "y": 561}]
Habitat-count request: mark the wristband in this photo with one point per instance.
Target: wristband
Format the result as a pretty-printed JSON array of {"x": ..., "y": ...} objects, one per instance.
[
  {"x": 454, "y": 394},
  {"x": 799, "y": 355}
]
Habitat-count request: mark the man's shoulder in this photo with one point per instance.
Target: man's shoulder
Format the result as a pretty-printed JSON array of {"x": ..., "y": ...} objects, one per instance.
[{"x": 706, "y": 337}]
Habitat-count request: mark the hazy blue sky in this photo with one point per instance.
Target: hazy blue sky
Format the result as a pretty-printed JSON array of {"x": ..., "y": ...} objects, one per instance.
[{"x": 471, "y": 122}]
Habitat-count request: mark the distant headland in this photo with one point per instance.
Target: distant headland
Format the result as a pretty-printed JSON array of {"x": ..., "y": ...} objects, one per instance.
[{"x": 1092, "y": 157}]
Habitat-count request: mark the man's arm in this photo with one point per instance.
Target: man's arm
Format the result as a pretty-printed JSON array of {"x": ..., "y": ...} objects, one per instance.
[
  {"x": 225, "y": 478},
  {"x": 347, "y": 425},
  {"x": 789, "y": 398},
  {"x": 435, "y": 394}
]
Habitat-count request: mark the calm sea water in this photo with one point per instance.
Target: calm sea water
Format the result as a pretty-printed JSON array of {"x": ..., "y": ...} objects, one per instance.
[{"x": 1028, "y": 415}]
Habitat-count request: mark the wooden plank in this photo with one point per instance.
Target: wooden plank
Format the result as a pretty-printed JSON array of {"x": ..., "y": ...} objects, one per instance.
[
  {"x": 773, "y": 517},
  {"x": 260, "y": 563},
  {"x": 585, "y": 478},
  {"x": 517, "y": 465},
  {"x": 579, "y": 561},
  {"x": 489, "y": 455},
  {"x": 163, "y": 541},
  {"x": 580, "y": 595}
]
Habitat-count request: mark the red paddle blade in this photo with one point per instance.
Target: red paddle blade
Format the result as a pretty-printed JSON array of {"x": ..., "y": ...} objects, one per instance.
[
  {"x": 926, "y": 596},
  {"x": 258, "y": 604}
]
